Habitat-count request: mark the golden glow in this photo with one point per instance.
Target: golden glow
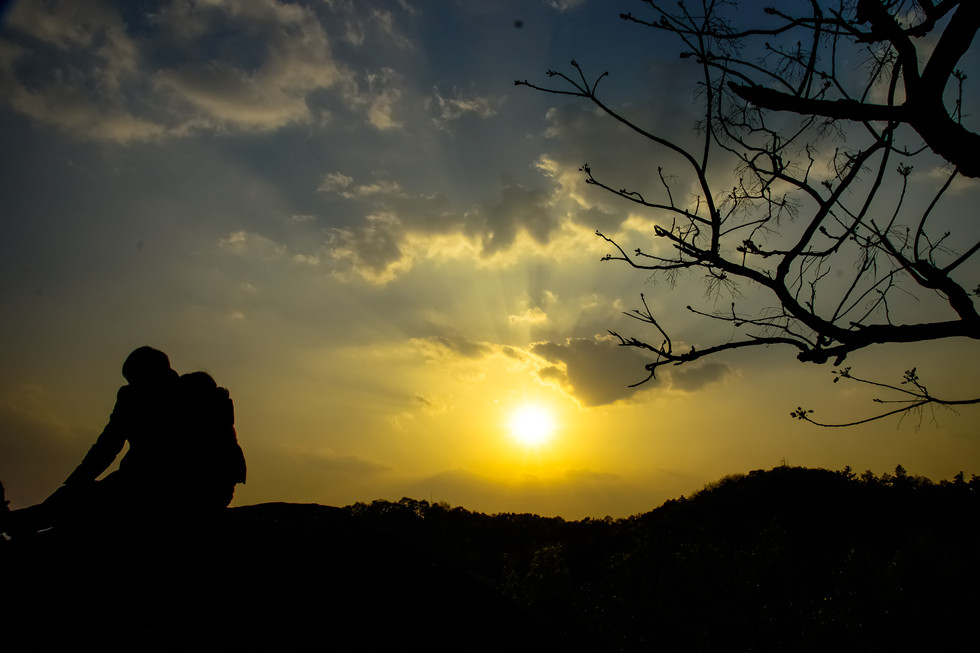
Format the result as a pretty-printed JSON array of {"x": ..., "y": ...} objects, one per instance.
[{"x": 532, "y": 425}]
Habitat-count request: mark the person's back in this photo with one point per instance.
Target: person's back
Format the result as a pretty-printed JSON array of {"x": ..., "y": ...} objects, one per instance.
[
  {"x": 215, "y": 462},
  {"x": 149, "y": 416}
]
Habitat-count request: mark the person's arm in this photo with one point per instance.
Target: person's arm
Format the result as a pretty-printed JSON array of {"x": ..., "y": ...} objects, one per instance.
[
  {"x": 107, "y": 446},
  {"x": 235, "y": 457},
  {"x": 238, "y": 460}
]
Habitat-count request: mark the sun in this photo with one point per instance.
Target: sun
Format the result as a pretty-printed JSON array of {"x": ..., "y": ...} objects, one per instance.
[{"x": 531, "y": 425}]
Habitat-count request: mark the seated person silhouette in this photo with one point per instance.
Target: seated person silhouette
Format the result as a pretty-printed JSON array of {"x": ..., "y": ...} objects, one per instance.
[
  {"x": 183, "y": 458},
  {"x": 208, "y": 429}
]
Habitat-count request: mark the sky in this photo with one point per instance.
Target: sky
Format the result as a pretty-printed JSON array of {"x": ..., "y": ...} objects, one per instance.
[{"x": 351, "y": 217}]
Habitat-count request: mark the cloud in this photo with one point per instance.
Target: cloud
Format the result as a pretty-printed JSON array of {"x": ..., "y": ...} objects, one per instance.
[
  {"x": 383, "y": 92},
  {"x": 273, "y": 257},
  {"x": 381, "y": 229},
  {"x": 372, "y": 248},
  {"x": 450, "y": 109},
  {"x": 587, "y": 207},
  {"x": 73, "y": 26},
  {"x": 565, "y": 5},
  {"x": 379, "y": 23},
  {"x": 938, "y": 175},
  {"x": 453, "y": 345},
  {"x": 579, "y": 133},
  {"x": 336, "y": 182},
  {"x": 72, "y": 66},
  {"x": 269, "y": 58},
  {"x": 384, "y": 22},
  {"x": 252, "y": 245},
  {"x": 378, "y": 229},
  {"x": 518, "y": 210},
  {"x": 188, "y": 66},
  {"x": 383, "y": 188},
  {"x": 397, "y": 228},
  {"x": 400, "y": 227},
  {"x": 694, "y": 376},
  {"x": 428, "y": 404},
  {"x": 529, "y": 316},
  {"x": 596, "y": 371}
]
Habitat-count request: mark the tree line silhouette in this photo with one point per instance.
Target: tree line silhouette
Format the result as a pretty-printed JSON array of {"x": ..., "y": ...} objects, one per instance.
[
  {"x": 784, "y": 559},
  {"x": 787, "y": 559}
]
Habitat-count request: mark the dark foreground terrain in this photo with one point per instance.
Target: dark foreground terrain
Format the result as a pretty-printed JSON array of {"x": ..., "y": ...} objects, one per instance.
[{"x": 789, "y": 559}]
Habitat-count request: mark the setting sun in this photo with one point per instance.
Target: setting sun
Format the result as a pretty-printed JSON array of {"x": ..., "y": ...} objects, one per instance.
[{"x": 531, "y": 425}]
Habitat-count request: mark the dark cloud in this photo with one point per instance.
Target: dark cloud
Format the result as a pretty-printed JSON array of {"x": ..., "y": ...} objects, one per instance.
[
  {"x": 423, "y": 401},
  {"x": 393, "y": 216},
  {"x": 510, "y": 352},
  {"x": 457, "y": 105},
  {"x": 579, "y": 134},
  {"x": 600, "y": 219},
  {"x": 457, "y": 345},
  {"x": 518, "y": 209},
  {"x": 552, "y": 373},
  {"x": 377, "y": 241},
  {"x": 104, "y": 71},
  {"x": 371, "y": 246},
  {"x": 575, "y": 133},
  {"x": 596, "y": 371},
  {"x": 692, "y": 377}
]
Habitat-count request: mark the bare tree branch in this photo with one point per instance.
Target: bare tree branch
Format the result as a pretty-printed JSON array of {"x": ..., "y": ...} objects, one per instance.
[
  {"x": 829, "y": 252},
  {"x": 917, "y": 398}
]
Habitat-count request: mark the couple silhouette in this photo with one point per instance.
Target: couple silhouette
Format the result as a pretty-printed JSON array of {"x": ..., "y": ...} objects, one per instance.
[{"x": 183, "y": 460}]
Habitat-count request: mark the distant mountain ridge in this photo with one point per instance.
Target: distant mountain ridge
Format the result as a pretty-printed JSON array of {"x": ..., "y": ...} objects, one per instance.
[{"x": 788, "y": 559}]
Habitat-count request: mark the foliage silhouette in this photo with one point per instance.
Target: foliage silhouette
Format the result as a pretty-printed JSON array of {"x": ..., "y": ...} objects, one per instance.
[
  {"x": 785, "y": 559},
  {"x": 814, "y": 211}
]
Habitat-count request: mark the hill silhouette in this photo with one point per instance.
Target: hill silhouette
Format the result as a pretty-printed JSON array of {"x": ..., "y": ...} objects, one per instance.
[{"x": 789, "y": 559}]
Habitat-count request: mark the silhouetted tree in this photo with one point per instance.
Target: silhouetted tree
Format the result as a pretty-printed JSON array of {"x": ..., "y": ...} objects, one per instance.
[{"x": 813, "y": 114}]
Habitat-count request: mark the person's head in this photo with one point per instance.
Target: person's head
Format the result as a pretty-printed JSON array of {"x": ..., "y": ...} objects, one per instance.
[
  {"x": 147, "y": 366},
  {"x": 197, "y": 382},
  {"x": 198, "y": 392}
]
